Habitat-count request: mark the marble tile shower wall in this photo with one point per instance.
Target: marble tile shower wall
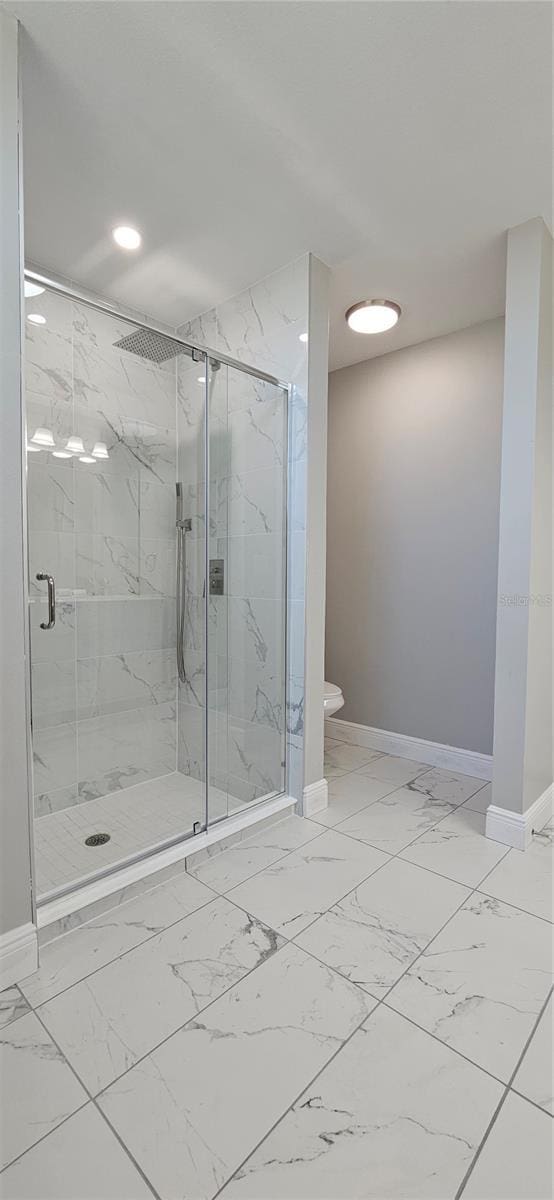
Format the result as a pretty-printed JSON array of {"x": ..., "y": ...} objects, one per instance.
[
  {"x": 254, "y": 457},
  {"x": 104, "y": 680}
]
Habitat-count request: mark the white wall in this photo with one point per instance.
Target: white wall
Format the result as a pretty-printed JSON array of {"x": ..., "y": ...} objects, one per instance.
[
  {"x": 15, "y": 864},
  {"x": 316, "y": 521},
  {"x": 412, "y": 519},
  {"x": 523, "y": 692}
]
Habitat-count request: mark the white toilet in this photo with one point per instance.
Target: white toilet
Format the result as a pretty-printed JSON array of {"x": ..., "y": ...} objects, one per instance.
[{"x": 333, "y": 699}]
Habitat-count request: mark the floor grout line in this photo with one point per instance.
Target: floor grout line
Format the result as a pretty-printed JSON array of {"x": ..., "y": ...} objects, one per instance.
[
  {"x": 292, "y": 942},
  {"x": 501, "y": 1103},
  {"x": 336, "y": 902},
  {"x": 123, "y": 953},
  {"x": 378, "y": 1004},
  {"x": 44, "y": 1136},
  {"x": 91, "y": 1100},
  {"x": 528, "y": 1099}
]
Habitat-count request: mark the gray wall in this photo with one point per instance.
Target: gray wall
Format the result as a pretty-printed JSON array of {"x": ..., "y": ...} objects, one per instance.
[
  {"x": 15, "y": 863},
  {"x": 412, "y": 537}
]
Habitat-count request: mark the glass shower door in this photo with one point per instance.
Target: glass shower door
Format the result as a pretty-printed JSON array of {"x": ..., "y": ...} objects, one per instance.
[{"x": 246, "y": 601}]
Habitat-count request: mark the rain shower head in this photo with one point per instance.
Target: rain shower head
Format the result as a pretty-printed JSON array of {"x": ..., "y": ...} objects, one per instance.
[{"x": 149, "y": 344}]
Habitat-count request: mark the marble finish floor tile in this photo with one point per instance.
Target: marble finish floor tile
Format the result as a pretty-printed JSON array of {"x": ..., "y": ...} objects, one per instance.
[
  {"x": 377, "y": 931},
  {"x": 457, "y": 848},
  {"x": 447, "y": 785},
  {"x": 516, "y": 1160},
  {"x": 70, "y": 958},
  {"x": 526, "y": 878},
  {"x": 480, "y": 985},
  {"x": 395, "y": 1114},
  {"x": 81, "y": 1160},
  {"x": 291, "y": 894},
  {"x": 12, "y": 1005},
  {"x": 341, "y": 757},
  {"x": 398, "y": 770},
  {"x": 534, "y": 1078},
  {"x": 113, "y": 1018},
  {"x": 399, "y": 818},
  {"x": 480, "y": 801},
  {"x": 252, "y": 854},
  {"x": 350, "y": 793},
  {"x": 193, "y": 1110},
  {"x": 39, "y": 1089}
]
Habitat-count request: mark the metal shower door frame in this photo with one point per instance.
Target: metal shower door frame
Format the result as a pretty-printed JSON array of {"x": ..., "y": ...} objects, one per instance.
[
  {"x": 198, "y": 354},
  {"x": 286, "y": 389}
]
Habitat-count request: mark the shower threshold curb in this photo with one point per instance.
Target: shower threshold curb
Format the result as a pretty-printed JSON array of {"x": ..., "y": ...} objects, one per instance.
[{"x": 108, "y": 885}]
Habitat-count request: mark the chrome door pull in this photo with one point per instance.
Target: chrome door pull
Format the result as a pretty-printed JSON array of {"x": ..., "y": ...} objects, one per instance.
[{"x": 49, "y": 624}]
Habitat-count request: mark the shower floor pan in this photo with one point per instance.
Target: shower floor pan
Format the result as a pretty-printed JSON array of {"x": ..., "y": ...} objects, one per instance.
[{"x": 136, "y": 819}]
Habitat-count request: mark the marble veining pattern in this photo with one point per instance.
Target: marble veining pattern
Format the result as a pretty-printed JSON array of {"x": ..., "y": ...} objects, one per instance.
[
  {"x": 256, "y": 1046},
  {"x": 392, "y": 1086},
  {"x": 38, "y": 1088},
  {"x": 359, "y": 1062},
  {"x": 104, "y": 1024},
  {"x": 526, "y": 880},
  {"x": 80, "y": 1160},
  {"x": 105, "y": 531},
  {"x": 12, "y": 1005},
  {"x": 481, "y": 984}
]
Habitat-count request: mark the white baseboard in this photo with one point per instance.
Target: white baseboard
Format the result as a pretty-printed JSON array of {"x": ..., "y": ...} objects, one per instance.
[
  {"x": 468, "y": 762},
  {"x": 516, "y": 829},
  {"x": 315, "y": 797},
  {"x": 18, "y": 954}
]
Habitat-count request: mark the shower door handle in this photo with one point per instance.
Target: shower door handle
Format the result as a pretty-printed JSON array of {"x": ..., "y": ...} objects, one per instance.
[{"x": 49, "y": 624}]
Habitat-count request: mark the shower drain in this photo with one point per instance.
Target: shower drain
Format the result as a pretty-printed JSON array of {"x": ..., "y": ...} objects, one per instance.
[{"x": 97, "y": 839}]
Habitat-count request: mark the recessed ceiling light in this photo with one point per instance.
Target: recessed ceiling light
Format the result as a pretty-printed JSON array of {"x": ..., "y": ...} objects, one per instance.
[
  {"x": 36, "y": 319},
  {"x": 32, "y": 289},
  {"x": 373, "y": 316},
  {"x": 302, "y": 337},
  {"x": 86, "y": 458},
  {"x": 127, "y": 237}
]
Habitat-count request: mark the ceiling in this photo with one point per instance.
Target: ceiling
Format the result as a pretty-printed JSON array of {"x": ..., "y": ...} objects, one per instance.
[{"x": 397, "y": 141}]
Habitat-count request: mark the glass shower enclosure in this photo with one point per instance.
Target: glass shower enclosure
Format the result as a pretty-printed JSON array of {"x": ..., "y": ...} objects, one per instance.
[{"x": 156, "y": 498}]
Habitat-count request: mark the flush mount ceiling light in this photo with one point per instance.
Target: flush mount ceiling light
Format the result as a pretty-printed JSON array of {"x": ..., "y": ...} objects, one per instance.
[
  {"x": 36, "y": 319},
  {"x": 126, "y": 237},
  {"x": 32, "y": 289},
  {"x": 373, "y": 316}
]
